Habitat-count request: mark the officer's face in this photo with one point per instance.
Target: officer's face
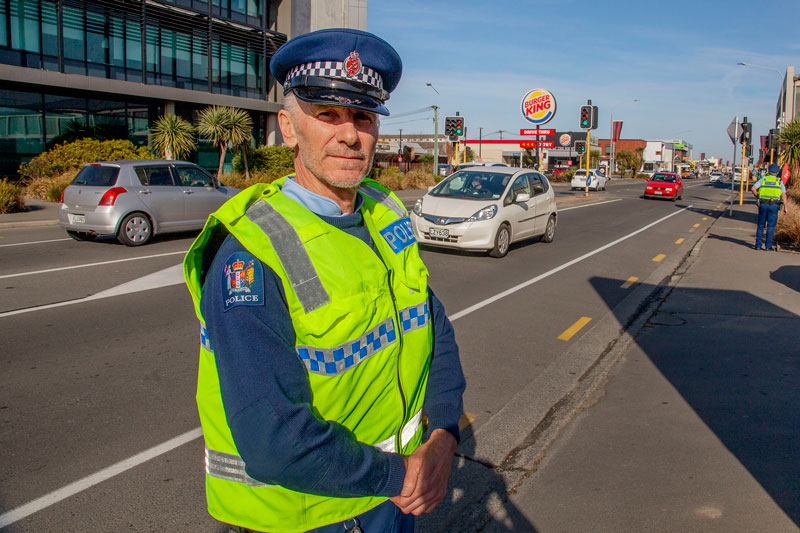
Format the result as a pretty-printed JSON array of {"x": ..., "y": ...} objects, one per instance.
[{"x": 335, "y": 144}]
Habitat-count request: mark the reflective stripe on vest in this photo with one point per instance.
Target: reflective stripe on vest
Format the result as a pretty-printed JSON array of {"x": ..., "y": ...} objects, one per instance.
[
  {"x": 770, "y": 188},
  {"x": 382, "y": 197},
  {"x": 292, "y": 254},
  {"x": 414, "y": 317},
  {"x": 230, "y": 467}
]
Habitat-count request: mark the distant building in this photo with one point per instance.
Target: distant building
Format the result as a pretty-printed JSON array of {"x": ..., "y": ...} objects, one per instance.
[
  {"x": 788, "y": 107},
  {"x": 665, "y": 154},
  {"x": 112, "y": 67}
]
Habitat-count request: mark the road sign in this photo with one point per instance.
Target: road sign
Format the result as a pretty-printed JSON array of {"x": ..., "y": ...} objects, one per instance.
[
  {"x": 734, "y": 130},
  {"x": 537, "y": 132},
  {"x": 532, "y": 144}
]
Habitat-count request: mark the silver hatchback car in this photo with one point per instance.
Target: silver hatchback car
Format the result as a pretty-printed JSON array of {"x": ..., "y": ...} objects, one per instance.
[{"x": 136, "y": 199}]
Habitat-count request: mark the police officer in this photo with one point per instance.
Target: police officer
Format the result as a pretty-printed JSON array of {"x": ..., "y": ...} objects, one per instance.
[
  {"x": 323, "y": 349},
  {"x": 771, "y": 193}
]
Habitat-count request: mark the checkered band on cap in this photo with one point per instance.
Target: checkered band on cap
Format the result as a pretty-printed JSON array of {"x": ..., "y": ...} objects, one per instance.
[{"x": 335, "y": 69}]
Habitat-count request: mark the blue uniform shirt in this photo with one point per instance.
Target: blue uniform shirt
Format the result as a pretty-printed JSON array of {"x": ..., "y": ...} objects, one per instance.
[{"x": 265, "y": 390}]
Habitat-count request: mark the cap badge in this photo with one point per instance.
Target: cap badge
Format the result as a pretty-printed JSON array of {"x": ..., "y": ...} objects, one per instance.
[{"x": 352, "y": 65}]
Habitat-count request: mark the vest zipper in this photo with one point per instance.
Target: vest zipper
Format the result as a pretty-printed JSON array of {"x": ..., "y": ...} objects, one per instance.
[{"x": 399, "y": 434}]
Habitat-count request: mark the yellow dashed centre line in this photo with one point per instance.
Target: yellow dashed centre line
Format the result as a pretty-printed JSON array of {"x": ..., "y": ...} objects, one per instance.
[
  {"x": 696, "y": 226},
  {"x": 659, "y": 258},
  {"x": 679, "y": 241},
  {"x": 705, "y": 218},
  {"x": 691, "y": 230},
  {"x": 631, "y": 281},
  {"x": 574, "y": 328}
]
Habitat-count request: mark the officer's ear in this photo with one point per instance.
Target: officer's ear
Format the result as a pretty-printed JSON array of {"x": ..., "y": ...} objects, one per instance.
[{"x": 286, "y": 124}]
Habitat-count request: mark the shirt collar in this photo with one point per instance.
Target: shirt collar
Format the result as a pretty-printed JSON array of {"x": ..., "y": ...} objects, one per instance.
[{"x": 314, "y": 202}]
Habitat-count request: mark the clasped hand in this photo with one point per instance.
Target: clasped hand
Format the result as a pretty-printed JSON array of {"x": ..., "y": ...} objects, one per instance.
[{"x": 427, "y": 474}]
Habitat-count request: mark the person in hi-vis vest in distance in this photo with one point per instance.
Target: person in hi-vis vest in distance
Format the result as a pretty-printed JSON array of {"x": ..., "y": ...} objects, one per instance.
[
  {"x": 323, "y": 351},
  {"x": 771, "y": 194}
]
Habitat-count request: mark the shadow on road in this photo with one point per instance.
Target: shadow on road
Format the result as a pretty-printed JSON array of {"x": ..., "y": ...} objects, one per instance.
[
  {"x": 475, "y": 491},
  {"x": 735, "y": 359},
  {"x": 789, "y": 275}
]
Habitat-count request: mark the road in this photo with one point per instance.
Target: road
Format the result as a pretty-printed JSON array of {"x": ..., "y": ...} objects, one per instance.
[{"x": 98, "y": 429}]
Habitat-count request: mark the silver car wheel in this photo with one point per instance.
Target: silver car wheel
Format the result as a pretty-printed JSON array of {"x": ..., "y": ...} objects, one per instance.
[
  {"x": 135, "y": 230},
  {"x": 501, "y": 241},
  {"x": 550, "y": 231}
]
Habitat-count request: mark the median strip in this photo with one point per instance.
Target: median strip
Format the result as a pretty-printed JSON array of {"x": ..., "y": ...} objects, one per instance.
[{"x": 574, "y": 328}]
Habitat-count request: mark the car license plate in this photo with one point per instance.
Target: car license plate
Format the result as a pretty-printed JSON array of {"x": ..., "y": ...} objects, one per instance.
[
  {"x": 439, "y": 233},
  {"x": 657, "y": 192},
  {"x": 77, "y": 219}
]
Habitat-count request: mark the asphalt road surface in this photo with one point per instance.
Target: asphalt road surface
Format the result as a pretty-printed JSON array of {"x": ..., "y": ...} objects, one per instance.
[{"x": 98, "y": 427}]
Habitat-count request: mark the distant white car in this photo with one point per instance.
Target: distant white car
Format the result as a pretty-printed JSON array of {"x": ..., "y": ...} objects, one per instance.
[
  {"x": 597, "y": 181},
  {"x": 486, "y": 208},
  {"x": 715, "y": 176}
]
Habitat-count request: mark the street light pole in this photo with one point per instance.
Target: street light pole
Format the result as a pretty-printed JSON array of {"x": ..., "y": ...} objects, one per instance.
[{"x": 435, "y": 132}]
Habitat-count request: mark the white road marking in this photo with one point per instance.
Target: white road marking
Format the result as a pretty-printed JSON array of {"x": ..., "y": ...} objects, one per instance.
[
  {"x": 14, "y": 515},
  {"x": 163, "y": 278},
  {"x": 540, "y": 277},
  {"x": 590, "y": 205},
  {"x": 34, "y": 242},
  {"x": 87, "y": 265}
]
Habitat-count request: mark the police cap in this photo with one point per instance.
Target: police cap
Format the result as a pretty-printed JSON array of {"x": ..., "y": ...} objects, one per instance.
[
  {"x": 773, "y": 169},
  {"x": 339, "y": 66}
]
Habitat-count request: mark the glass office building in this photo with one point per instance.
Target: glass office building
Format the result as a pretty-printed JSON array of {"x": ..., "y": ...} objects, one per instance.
[{"x": 110, "y": 68}]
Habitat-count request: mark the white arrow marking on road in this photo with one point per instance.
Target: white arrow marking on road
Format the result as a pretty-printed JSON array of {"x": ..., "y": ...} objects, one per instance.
[
  {"x": 163, "y": 278},
  {"x": 89, "y": 265}
]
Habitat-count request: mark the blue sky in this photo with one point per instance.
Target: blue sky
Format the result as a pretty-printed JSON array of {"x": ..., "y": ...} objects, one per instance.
[{"x": 679, "y": 59}]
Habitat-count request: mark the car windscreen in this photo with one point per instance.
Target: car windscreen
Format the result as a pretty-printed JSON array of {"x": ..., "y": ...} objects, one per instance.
[
  {"x": 664, "y": 177},
  {"x": 97, "y": 176},
  {"x": 475, "y": 184}
]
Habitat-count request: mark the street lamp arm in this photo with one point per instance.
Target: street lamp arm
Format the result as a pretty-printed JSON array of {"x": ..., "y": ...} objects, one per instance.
[{"x": 758, "y": 66}]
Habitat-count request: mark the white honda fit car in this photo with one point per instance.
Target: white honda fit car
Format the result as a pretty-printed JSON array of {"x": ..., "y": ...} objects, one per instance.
[{"x": 486, "y": 208}]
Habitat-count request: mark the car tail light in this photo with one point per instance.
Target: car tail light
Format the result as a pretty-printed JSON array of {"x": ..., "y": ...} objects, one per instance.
[
  {"x": 111, "y": 196},
  {"x": 62, "y": 196}
]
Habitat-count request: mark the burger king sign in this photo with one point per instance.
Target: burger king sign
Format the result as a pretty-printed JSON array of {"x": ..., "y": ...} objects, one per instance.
[{"x": 538, "y": 106}]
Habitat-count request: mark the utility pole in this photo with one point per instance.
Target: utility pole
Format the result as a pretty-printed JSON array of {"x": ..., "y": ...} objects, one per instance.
[
  {"x": 480, "y": 143},
  {"x": 435, "y": 140},
  {"x": 400, "y": 153}
]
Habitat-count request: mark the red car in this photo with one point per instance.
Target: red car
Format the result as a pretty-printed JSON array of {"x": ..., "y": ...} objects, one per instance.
[{"x": 664, "y": 185}]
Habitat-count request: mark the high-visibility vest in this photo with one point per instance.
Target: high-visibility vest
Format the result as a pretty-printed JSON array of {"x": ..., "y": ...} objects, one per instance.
[
  {"x": 363, "y": 330},
  {"x": 770, "y": 188}
]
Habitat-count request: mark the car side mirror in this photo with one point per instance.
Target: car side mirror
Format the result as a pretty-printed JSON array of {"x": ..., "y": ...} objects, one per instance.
[{"x": 522, "y": 197}]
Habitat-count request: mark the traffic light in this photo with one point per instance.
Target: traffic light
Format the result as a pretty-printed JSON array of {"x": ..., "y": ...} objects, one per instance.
[
  {"x": 747, "y": 133},
  {"x": 748, "y": 151},
  {"x": 580, "y": 146},
  {"x": 595, "y": 114},
  {"x": 772, "y": 143},
  {"x": 454, "y": 127},
  {"x": 586, "y": 117}
]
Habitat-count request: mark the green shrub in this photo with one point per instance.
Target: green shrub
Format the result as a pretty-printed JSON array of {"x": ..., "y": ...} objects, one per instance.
[
  {"x": 50, "y": 188},
  {"x": 388, "y": 177},
  {"x": 417, "y": 179},
  {"x": 266, "y": 158},
  {"x": 11, "y": 200},
  {"x": 64, "y": 157}
]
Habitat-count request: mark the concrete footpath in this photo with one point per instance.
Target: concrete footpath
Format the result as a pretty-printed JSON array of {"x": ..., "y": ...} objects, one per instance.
[
  {"x": 697, "y": 426},
  {"x": 37, "y": 213}
]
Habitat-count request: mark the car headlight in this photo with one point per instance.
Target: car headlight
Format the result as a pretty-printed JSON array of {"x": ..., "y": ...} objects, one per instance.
[
  {"x": 418, "y": 208},
  {"x": 484, "y": 214}
]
